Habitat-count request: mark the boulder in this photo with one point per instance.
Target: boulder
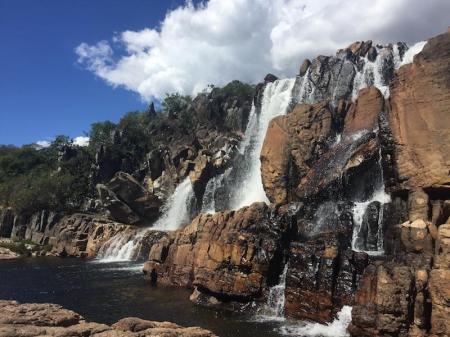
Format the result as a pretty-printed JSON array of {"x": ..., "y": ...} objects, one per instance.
[
  {"x": 304, "y": 67},
  {"x": 44, "y": 319},
  {"x": 419, "y": 118},
  {"x": 292, "y": 141},
  {"x": 231, "y": 255}
]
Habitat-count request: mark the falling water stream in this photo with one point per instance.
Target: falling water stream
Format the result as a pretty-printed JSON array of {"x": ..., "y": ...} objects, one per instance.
[{"x": 247, "y": 187}]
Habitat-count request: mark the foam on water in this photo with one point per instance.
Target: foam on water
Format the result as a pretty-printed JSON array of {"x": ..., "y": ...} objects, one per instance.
[{"x": 337, "y": 328}]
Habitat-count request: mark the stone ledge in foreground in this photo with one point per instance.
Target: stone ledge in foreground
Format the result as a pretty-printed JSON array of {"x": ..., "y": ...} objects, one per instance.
[{"x": 45, "y": 319}]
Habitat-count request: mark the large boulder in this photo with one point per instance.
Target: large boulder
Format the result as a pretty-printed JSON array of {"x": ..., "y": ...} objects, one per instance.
[
  {"x": 45, "y": 319},
  {"x": 419, "y": 117},
  {"x": 291, "y": 143},
  {"x": 299, "y": 158},
  {"x": 231, "y": 254}
]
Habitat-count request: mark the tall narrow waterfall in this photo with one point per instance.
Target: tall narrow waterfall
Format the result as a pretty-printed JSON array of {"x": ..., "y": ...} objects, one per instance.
[
  {"x": 276, "y": 99},
  {"x": 176, "y": 211},
  {"x": 363, "y": 228}
]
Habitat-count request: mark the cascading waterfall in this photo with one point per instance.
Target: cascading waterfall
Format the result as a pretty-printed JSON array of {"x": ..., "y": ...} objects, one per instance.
[
  {"x": 273, "y": 310},
  {"x": 119, "y": 248},
  {"x": 276, "y": 99},
  {"x": 209, "y": 197},
  {"x": 360, "y": 209},
  {"x": 175, "y": 213},
  {"x": 372, "y": 74}
]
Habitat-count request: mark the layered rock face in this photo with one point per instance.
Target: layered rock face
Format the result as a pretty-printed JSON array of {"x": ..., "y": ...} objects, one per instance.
[
  {"x": 230, "y": 255},
  {"x": 408, "y": 296},
  {"x": 44, "y": 319},
  {"x": 301, "y": 157},
  {"x": 79, "y": 235}
]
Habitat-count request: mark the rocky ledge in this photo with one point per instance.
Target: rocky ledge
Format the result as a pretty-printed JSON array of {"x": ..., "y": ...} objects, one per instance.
[{"x": 45, "y": 319}]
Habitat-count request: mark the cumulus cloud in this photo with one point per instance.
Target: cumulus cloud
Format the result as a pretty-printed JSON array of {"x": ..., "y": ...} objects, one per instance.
[
  {"x": 81, "y": 141},
  {"x": 221, "y": 40},
  {"x": 43, "y": 143}
]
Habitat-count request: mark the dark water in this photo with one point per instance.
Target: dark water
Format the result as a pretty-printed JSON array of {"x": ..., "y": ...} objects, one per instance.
[{"x": 107, "y": 292}]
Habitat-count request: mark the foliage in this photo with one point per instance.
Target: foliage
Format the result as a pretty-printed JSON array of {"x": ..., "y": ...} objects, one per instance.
[
  {"x": 237, "y": 88},
  {"x": 175, "y": 103},
  {"x": 32, "y": 179}
]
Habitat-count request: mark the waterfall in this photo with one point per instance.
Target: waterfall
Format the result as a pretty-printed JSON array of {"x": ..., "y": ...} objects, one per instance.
[
  {"x": 371, "y": 74},
  {"x": 273, "y": 310},
  {"x": 411, "y": 52},
  {"x": 209, "y": 197},
  {"x": 361, "y": 208},
  {"x": 337, "y": 328},
  {"x": 118, "y": 248},
  {"x": 276, "y": 98},
  {"x": 176, "y": 210},
  {"x": 175, "y": 213}
]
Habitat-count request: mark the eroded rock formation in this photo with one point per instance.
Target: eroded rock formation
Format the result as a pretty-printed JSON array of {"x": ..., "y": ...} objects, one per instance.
[{"x": 44, "y": 319}]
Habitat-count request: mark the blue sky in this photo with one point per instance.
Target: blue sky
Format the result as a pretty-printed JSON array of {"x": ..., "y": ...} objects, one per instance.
[
  {"x": 43, "y": 91},
  {"x": 65, "y": 64}
]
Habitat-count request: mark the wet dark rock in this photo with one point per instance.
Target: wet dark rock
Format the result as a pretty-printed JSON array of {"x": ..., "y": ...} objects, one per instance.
[
  {"x": 6, "y": 222},
  {"x": 372, "y": 54},
  {"x": 270, "y": 78}
]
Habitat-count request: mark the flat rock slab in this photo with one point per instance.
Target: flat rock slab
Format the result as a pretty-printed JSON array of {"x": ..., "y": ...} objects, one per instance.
[{"x": 45, "y": 319}]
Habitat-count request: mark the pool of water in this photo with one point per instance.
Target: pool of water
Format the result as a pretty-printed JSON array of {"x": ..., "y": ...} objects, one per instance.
[{"x": 107, "y": 292}]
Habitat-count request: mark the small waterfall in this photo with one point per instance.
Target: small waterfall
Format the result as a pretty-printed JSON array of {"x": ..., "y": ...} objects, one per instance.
[
  {"x": 360, "y": 209},
  {"x": 273, "y": 310},
  {"x": 209, "y": 197},
  {"x": 176, "y": 211},
  {"x": 372, "y": 74},
  {"x": 337, "y": 328},
  {"x": 411, "y": 52},
  {"x": 276, "y": 98},
  {"x": 118, "y": 248}
]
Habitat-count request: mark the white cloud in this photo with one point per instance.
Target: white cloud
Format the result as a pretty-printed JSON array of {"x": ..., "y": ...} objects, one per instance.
[
  {"x": 43, "y": 143},
  {"x": 221, "y": 40},
  {"x": 81, "y": 141}
]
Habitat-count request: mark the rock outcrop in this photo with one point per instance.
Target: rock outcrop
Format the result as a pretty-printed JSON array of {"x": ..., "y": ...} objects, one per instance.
[
  {"x": 408, "y": 294},
  {"x": 233, "y": 255},
  {"x": 301, "y": 157},
  {"x": 44, "y": 319},
  {"x": 419, "y": 118}
]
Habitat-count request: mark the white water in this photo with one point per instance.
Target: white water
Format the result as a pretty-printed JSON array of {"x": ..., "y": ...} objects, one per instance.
[
  {"x": 360, "y": 208},
  {"x": 411, "y": 52},
  {"x": 176, "y": 210},
  {"x": 276, "y": 99},
  {"x": 337, "y": 328},
  {"x": 371, "y": 74},
  {"x": 119, "y": 248},
  {"x": 273, "y": 310},
  {"x": 208, "y": 201},
  {"x": 175, "y": 214}
]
